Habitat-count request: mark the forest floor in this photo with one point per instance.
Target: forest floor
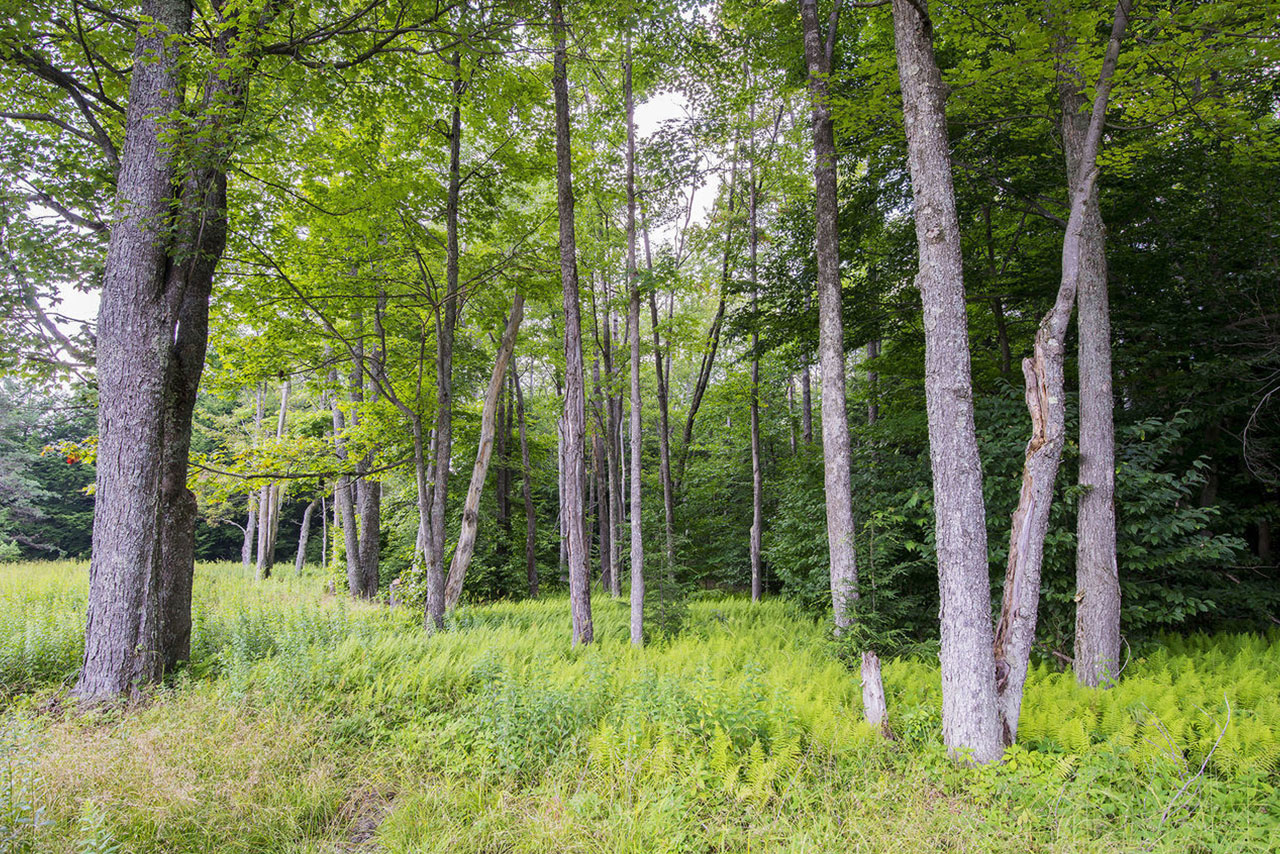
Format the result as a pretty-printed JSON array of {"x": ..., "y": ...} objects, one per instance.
[{"x": 306, "y": 723}]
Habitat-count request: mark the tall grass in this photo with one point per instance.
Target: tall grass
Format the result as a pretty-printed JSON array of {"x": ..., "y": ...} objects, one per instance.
[{"x": 306, "y": 722}]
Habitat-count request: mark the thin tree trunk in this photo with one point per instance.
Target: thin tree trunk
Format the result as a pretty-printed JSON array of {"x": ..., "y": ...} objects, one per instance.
[
  {"x": 471, "y": 507},
  {"x": 757, "y": 479},
  {"x": 806, "y": 406},
  {"x": 324, "y": 530},
  {"x": 600, "y": 468},
  {"x": 1045, "y": 393},
  {"x": 637, "y": 402},
  {"x": 970, "y": 725},
  {"x": 304, "y": 536},
  {"x": 269, "y": 501},
  {"x": 446, "y": 323},
  {"x": 526, "y": 488},
  {"x": 835, "y": 425},
  {"x": 1097, "y": 648},
  {"x": 574, "y": 393},
  {"x": 251, "y": 526},
  {"x": 343, "y": 502},
  {"x": 664, "y": 431}
]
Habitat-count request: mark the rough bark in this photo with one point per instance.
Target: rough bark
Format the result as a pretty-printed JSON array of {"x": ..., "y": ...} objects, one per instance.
[
  {"x": 471, "y": 507},
  {"x": 757, "y": 479},
  {"x": 1097, "y": 647},
  {"x": 835, "y": 424},
  {"x": 447, "y": 319},
  {"x": 970, "y": 726},
  {"x": 637, "y": 401},
  {"x": 526, "y": 489},
  {"x": 874, "y": 706},
  {"x": 1045, "y": 396},
  {"x": 136, "y": 332},
  {"x": 304, "y": 536},
  {"x": 574, "y": 385}
]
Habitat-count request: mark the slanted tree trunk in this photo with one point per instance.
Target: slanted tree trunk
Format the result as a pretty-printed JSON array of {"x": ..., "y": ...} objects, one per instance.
[
  {"x": 835, "y": 425},
  {"x": 304, "y": 536},
  {"x": 1097, "y": 647},
  {"x": 970, "y": 725},
  {"x": 470, "y": 509},
  {"x": 526, "y": 489},
  {"x": 574, "y": 386},
  {"x": 1045, "y": 395}
]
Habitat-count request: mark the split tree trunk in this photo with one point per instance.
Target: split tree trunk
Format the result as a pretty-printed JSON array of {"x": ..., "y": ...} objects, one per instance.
[
  {"x": 574, "y": 391},
  {"x": 1045, "y": 395},
  {"x": 471, "y": 508},
  {"x": 970, "y": 726},
  {"x": 835, "y": 425}
]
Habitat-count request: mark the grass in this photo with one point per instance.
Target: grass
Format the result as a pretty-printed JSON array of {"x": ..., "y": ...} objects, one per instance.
[{"x": 310, "y": 724}]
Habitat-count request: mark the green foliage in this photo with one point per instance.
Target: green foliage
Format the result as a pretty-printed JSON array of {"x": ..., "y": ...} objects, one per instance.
[{"x": 303, "y": 716}]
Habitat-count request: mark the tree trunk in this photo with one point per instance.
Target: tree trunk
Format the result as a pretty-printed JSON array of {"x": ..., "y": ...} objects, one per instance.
[
  {"x": 269, "y": 501},
  {"x": 664, "y": 435},
  {"x": 447, "y": 319},
  {"x": 874, "y": 706},
  {"x": 123, "y": 646},
  {"x": 344, "y": 504},
  {"x": 250, "y": 533},
  {"x": 600, "y": 468},
  {"x": 970, "y": 726},
  {"x": 530, "y": 514},
  {"x": 470, "y": 509},
  {"x": 1045, "y": 395},
  {"x": 1097, "y": 648},
  {"x": 835, "y": 424},
  {"x": 574, "y": 386},
  {"x": 637, "y": 402},
  {"x": 806, "y": 406},
  {"x": 304, "y": 535},
  {"x": 757, "y": 480}
]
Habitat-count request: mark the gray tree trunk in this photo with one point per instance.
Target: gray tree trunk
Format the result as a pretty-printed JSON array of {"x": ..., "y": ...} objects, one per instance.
[
  {"x": 970, "y": 726},
  {"x": 251, "y": 526},
  {"x": 269, "y": 501},
  {"x": 1045, "y": 395},
  {"x": 637, "y": 402},
  {"x": 874, "y": 706},
  {"x": 344, "y": 503},
  {"x": 1097, "y": 647},
  {"x": 806, "y": 406},
  {"x": 526, "y": 488},
  {"x": 304, "y": 536},
  {"x": 574, "y": 385},
  {"x": 757, "y": 478},
  {"x": 471, "y": 508},
  {"x": 835, "y": 424},
  {"x": 123, "y": 646}
]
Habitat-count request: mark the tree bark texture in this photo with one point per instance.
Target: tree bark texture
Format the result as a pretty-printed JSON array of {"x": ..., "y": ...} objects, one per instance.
[
  {"x": 1045, "y": 395},
  {"x": 574, "y": 381},
  {"x": 304, "y": 536},
  {"x": 530, "y": 514},
  {"x": 471, "y": 508},
  {"x": 835, "y": 424},
  {"x": 757, "y": 478},
  {"x": 123, "y": 647},
  {"x": 637, "y": 401},
  {"x": 970, "y": 727},
  {"x": 1097, "y": 647}
]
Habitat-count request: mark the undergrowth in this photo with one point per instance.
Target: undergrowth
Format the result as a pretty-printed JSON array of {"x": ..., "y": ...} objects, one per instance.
[{"x": 304, "y": 718}]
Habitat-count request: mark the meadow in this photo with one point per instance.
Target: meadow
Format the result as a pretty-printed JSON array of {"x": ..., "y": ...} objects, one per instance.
[{"x": 308, "y": 723}]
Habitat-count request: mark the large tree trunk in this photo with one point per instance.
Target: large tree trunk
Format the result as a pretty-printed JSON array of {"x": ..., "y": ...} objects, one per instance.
[
  {"x": 637, "y": 402},
  {"x": 835, "y": 424},
  {"x": 304, "y": 535},
  {"x": 526, "y": 488},
  {"x": 574, "y": 385},
  {"x": 123, "y": 645},
  {"x": 970, "y": 726},
  {"x": 1097, "y": 648},
  {"x": 470, "y": 509},
  {"x": 1045, "y": 395}
]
